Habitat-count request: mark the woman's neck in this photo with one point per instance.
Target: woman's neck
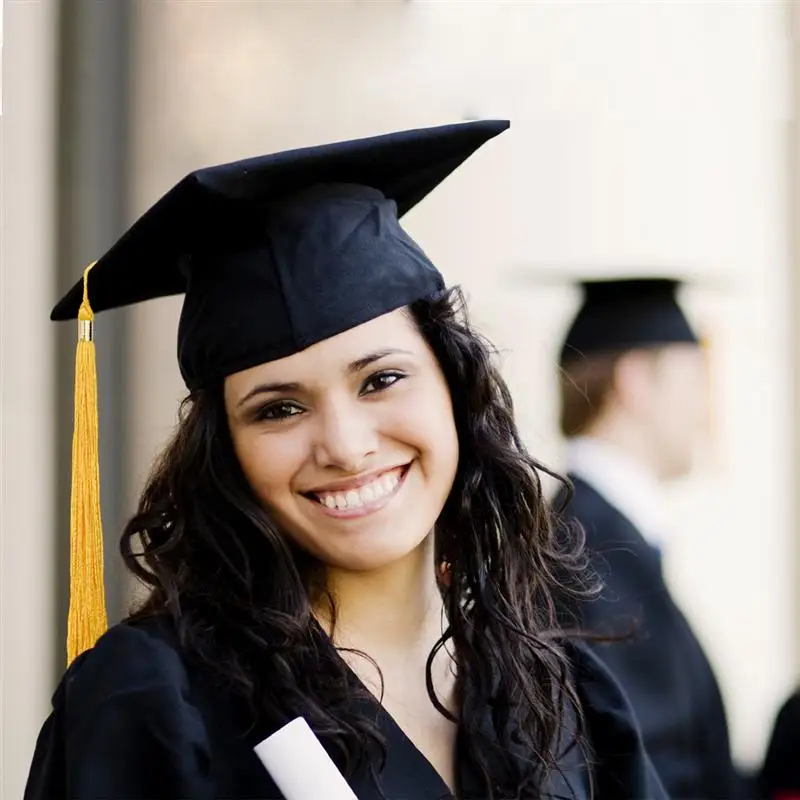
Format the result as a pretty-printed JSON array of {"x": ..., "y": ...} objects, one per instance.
[{"x": 395, "y": 609}]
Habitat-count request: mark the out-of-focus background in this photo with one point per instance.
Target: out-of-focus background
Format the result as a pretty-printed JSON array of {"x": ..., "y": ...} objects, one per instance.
[{"x": 652, "y": 134}]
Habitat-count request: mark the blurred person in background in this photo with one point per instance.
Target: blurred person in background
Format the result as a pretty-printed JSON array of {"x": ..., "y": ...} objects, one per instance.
[
  {"x": 345, "y": 527},
  {"x": 634, "y": 408}
]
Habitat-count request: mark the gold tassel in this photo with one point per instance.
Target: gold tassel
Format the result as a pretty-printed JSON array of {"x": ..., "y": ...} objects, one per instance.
[{"x": 87, "y": 619}]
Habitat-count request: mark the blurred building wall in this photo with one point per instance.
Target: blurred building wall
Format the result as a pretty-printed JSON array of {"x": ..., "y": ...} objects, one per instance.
[
  {"x": 642, "y": 134},
  {"x": 794, "y": 329}
]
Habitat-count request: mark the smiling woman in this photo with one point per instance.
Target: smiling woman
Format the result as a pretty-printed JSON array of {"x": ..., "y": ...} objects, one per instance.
[{"x": 345, "y": 527}]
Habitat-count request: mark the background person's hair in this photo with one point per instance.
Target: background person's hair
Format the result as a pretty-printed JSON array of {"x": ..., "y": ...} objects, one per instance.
[
  {"x": 237, "y": 590},
  {"x": 584, "y": 385}
]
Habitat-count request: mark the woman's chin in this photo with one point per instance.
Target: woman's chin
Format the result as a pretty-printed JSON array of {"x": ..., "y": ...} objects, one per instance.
[{"x": 370, "y": 558}]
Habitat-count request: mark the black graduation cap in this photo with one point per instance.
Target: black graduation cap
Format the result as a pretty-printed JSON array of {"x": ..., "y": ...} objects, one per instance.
[
  {"x": 278, "y": 252},
  {"x": 625, "y": 314},
  {"x": 621, "y": 308},
  {"x": 273, "y": 254}
]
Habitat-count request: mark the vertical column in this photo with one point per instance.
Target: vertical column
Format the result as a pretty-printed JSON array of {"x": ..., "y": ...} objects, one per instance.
[
  {"x": 28, "y": 646},
  {"x": 93, "y": 126}
]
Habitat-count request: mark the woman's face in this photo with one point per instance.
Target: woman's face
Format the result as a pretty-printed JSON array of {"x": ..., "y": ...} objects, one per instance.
[{"x": 350, "y": 445}]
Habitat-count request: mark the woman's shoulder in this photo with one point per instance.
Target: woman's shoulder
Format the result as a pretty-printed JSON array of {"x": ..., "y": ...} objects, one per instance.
[
  {"x": 596, "y": 683},
  {"x": 123, "y": 724},
  {"x": 623, "y": 767},
  {"x": 129, "y": 658}
]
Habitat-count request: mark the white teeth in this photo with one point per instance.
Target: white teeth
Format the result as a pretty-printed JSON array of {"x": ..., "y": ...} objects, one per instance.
[{"x": 355, "y": 498}]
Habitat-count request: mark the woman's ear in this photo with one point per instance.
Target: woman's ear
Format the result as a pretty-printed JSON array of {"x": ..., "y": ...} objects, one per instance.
[{"x": 444, "y": 574}]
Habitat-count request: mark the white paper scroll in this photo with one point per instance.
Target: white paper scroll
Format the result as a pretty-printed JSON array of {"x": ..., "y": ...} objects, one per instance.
[{"x": 299, "y": 765}]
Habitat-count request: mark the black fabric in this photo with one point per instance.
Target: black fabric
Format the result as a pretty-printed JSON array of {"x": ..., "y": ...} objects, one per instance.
[
  {"x": 626, "y": 314},
  {"x": 780, "y": 774},
  {"x": 130, "y": 720},
  {"x": 278, "y": 252},
  {"x": 660, "y": 663}
]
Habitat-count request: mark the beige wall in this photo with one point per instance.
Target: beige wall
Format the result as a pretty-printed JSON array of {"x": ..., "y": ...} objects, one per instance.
[
  {"x": 28, "y": 649},
  {"x": 794, "y": 331},
  {"x": 642, "y": 133}
]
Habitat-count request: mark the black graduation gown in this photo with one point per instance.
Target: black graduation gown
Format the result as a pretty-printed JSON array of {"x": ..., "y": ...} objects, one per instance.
[
  {"x": 662, "y": 668},
  {"x": 131, "y": 721},
  {"x": 780, "y": 774}
]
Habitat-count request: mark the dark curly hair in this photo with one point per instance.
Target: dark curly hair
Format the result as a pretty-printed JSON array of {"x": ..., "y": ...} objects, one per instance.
[{"x": 237, "y": 591}]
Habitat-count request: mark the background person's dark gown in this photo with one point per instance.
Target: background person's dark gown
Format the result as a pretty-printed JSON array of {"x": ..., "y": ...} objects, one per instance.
[
  {"x": 131, "y": 721},
  {"x": 662, "y": 669}
]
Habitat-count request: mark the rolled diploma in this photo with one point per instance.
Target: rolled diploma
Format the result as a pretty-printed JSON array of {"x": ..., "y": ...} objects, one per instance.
[{"x": 299, "y": 765}]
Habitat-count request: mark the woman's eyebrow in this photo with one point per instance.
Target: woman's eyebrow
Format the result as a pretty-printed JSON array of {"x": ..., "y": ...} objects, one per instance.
[
  {"x": 267, "y": 388},
  {"x": 371, "y": 358}
]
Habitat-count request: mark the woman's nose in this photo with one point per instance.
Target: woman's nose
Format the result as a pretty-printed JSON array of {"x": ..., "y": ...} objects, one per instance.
[{"x": 346, "y": 436}]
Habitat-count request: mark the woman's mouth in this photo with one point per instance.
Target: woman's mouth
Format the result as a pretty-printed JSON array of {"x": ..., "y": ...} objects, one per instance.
[{"x": 364, "y": 498}]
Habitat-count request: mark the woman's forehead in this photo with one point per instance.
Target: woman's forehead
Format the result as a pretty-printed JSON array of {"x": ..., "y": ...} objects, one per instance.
[{"x": 394, "y": 332}]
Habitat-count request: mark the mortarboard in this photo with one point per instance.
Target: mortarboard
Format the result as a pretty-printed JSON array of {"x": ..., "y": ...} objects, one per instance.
[
  {"x": 273, "y": 254},
  {"x": 619, "y": 309},
  {"x": 627, "y": 314},
  {"x": 278, "y": 252}
]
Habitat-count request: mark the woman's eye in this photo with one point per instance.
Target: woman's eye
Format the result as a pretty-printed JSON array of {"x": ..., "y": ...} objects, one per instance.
[
  {"x": 381, "y": 381},
  {"x": 276, "y": 411}
]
